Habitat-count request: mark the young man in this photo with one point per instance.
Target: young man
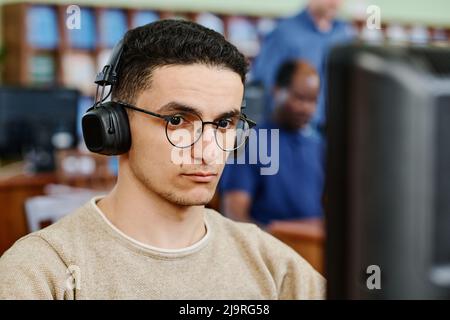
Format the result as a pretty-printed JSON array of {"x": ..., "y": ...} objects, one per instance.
[
  {"x": 295, "y": 191},
  {"x": 152, "y": 237}
]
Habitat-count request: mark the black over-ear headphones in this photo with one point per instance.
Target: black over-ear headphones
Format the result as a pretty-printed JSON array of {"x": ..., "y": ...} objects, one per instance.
[
  {"x": 106, "y": 129},
  {"x": 105, "y": 125}
]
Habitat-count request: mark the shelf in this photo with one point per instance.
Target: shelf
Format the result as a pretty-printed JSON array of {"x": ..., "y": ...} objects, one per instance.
[
  {"x": 434, "y": 13},
  {"x": 238, "y": 7}
]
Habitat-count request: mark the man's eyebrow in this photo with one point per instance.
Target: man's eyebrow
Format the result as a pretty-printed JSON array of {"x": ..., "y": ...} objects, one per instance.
[
  {"x": 177, "y": 107},
  {"x": 228, "y": 114}
]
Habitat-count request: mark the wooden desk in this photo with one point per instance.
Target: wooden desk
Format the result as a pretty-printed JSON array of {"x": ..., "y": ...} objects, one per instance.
[
  {"x": 307, "y": 237},
  {"x": 14, "y": 191}
]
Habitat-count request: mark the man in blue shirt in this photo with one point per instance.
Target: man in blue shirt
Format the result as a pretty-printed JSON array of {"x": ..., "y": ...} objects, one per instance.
[
  {"x": 294, "y": 191},
  {"x": 307, "y": 36}
]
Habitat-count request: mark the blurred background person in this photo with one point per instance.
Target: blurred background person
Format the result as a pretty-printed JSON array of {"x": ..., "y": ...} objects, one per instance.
[
  {"x": 307, "y": 35},
  {"x": 295, "y": 191}
]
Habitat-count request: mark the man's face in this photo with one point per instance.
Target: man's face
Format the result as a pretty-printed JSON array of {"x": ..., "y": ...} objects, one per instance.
[
  {"x": 300, "y": 100},
  {"x": 182, "y": 176},
  {"x": 325, "y": 8}
]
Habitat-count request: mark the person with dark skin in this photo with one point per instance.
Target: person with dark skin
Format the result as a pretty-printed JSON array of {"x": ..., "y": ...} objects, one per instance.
[
  {"x": 294, "y": 192},
  {"x": 297, "y": 101}
]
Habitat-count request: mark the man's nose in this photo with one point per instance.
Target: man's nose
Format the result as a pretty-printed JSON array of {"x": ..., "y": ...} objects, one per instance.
[{"x": 206, "y": 149}]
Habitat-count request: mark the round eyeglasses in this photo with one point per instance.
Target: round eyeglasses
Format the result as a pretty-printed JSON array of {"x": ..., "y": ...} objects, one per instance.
[{"x": 183, "y": 129}]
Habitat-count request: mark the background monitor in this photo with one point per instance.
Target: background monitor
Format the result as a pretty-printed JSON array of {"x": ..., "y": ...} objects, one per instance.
[
  {"x": 388, "y": 172},
  {"x": 35, "y": 121}
]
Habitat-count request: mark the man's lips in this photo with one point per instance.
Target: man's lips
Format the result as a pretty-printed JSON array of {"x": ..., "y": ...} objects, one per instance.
[{"x": 200, "y": 176}]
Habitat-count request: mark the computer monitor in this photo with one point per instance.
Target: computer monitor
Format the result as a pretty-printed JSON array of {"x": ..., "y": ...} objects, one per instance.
[
  {"x": 33, "y": 121},
  {"x": 388, "y": 173}
]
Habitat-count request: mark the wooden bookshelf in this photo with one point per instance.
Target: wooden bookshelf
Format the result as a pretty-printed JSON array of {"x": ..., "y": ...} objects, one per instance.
[{"x": 19, "y": 53}]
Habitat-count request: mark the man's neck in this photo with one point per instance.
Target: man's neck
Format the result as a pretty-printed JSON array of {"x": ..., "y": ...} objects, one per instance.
[
  {"x": 148, "y": 218},
  {"x": 322, "y": 23}
]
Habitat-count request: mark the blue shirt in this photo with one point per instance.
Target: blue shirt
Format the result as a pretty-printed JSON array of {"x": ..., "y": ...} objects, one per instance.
[
  {"x": 295, "y": 191},
  {"x": 298, "y": 38}
]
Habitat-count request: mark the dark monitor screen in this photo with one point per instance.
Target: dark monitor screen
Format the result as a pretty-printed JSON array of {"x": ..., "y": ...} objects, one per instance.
[
  {"x": 388, "y": 173},
  {"x": 34, "y": 119}
]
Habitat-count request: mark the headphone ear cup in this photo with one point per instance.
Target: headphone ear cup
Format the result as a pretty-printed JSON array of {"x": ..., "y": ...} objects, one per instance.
[{"x": 106, "y": 129}]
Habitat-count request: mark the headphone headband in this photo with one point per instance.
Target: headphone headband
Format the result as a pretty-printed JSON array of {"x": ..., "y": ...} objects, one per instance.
[{"x": 108, "y": 75}]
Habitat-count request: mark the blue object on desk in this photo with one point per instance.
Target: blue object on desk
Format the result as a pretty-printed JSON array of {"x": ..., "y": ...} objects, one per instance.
[{"x": 42, "y": 27}]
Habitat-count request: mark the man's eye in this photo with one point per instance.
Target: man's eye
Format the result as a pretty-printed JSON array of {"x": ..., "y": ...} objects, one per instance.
[
  {"x": 176, "y": 120},
  {"x": 224, "y": 123}
]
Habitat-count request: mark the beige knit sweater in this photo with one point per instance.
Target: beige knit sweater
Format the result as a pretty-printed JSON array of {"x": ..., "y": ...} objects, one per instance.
[{"x": 83, "y": 256}]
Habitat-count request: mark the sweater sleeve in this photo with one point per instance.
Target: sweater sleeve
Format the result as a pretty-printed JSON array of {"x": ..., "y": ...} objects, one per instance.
[
  {"x": 294, "y": 277},
  {"x": 301, "y": 281},
  {"x": 32, "y": 269}
]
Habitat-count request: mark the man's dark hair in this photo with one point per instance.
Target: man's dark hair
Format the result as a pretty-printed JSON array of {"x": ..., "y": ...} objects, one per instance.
[
  {"x": 171, "y": 42},
  {"x": 287, "y": 70},
  {"x": 285, "y": 73}
]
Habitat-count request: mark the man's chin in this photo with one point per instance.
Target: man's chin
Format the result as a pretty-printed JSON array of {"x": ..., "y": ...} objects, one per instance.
[
  {"x": 200, "y": 199},
  {"x": 192, "y": 202},
  {"x": 193, "y": 197},
  {"x": 294, "y": 126}
]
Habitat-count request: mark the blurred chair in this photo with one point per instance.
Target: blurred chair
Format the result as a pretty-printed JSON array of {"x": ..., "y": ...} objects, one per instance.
[{"x": 42, "y": 211}]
